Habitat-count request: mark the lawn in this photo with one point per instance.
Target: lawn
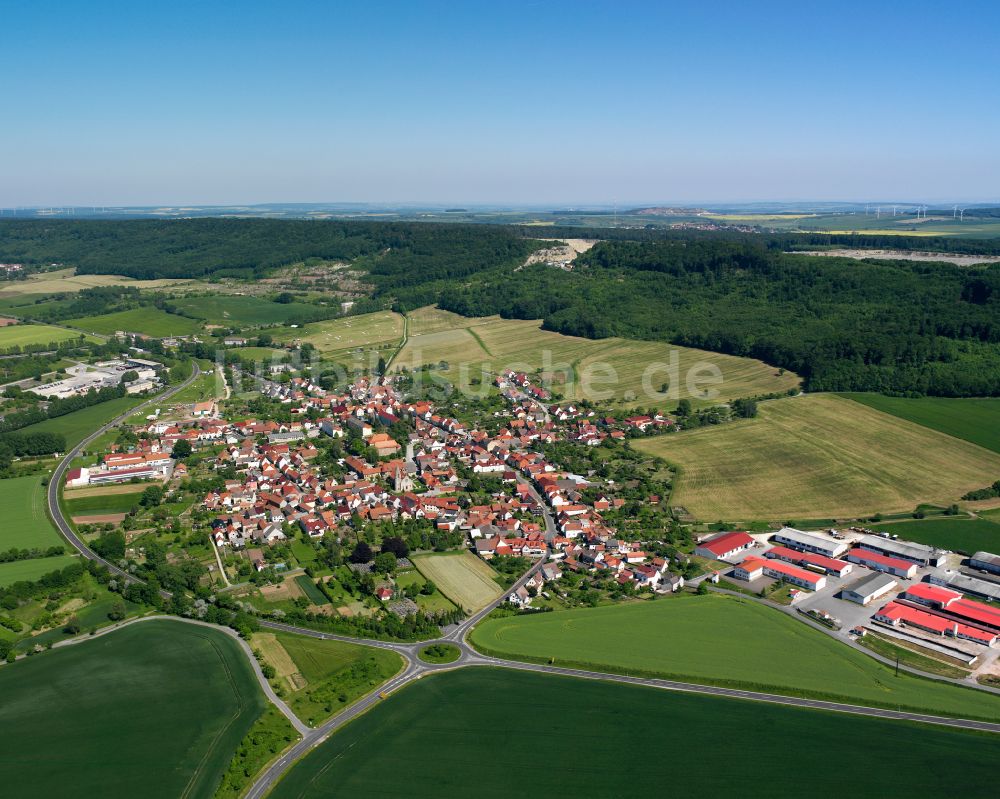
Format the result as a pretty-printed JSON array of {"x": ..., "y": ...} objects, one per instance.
[
  {"x": 430, "y": 603},
  {"x": 26, "y": 524},
  {"x": 17, "y": 570},
  {"x": 154, "y": 710},
  {"x": 462, "y": 577},
  {"x": 148, "y": 321},
  {"x": 238, "y": 311},
  {"x": 29, "y": 335},
  {"x": 439, "y": 737},
  {"x": 382, "y": 330},
  {"x": 818, "y": 456},
  {"x": 322, "y": 677},
  {"x": 77, "y": 425},
  {"x": 957, "y": 534},
  {"x": 493, "y": 345},
  {"x": 719, "y": 640},
  {"x": 976, "y": 420}
]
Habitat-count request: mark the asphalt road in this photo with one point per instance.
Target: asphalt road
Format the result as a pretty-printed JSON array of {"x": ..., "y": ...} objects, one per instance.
[
  {"x": 55, "y": 481},
  {"x": 415, "y": 668}
]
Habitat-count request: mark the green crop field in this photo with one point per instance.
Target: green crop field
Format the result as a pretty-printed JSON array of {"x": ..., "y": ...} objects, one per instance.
[
  {"x": 719, "y": 640},
  {"x": 957, "y": 534},
  {"x": 580, "y": 365},
  {"x": 77, "y": 425},
  {"x": 976, "y": 420},
  {"x": 148, "y": 321},
  {"x": 26, "y": 524},
  {"x": 154, "y": 710},
  {"x": 313, "y": 594},
  {"x": 323, "y": 677},
  {"x": 98, "y": 505},
  {"x": 815, "y": 457},
  {"x": 30, "y": 335},
  {"x": 17, "y": 570},
  {"x": 463, "y": 578},
  {"x": 439, "y": 737},
  {"x": 238, "y": 311}
]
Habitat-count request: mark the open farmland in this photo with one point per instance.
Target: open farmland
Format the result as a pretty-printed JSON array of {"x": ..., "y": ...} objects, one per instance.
[
  {"x": 32, "y": 335},
  {"x": 233, "y": 310},
  {"x": 382, "y": 330},
  {"x": 66, "y": 280},
  {"x": 323, "y": 677},
  {"x": 580, "y": 365},
  {"x": 155, "y": 710},
  {"x": 957, "y": 534},
  {"x": 463, "y": 578},
  {"x": 101, "y": 504},
  {"x": 720, "y": 640},
  {"x": 79, "y": 424},
  {"x": 26, "y": 524},
  {"x": 148, "y": 321},
  {"x": 818, "y": 456},
  {"x": 17, "y": 570},
  {"x": 975, "y": 419},
  {"x": 440, "y": 736}
]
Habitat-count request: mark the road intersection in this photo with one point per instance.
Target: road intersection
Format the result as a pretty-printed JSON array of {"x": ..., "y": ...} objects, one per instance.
[{"x": 415, "y": 668}]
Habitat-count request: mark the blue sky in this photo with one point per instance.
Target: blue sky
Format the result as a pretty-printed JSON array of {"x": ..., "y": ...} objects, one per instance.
[{"x": 502, "y": 102}]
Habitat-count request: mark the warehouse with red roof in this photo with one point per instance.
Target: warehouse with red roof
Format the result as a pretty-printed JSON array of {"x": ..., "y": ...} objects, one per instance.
[
  {"x": 724, "y": 545},
  {"x": 882, "y": 563}
]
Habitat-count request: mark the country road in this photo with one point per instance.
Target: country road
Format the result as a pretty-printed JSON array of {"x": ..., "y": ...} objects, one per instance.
[{"x": 415, "y": 668}]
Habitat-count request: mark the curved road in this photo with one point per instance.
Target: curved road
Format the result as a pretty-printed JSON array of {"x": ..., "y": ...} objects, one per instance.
[
  {"x": 415, "y": 668},
  {"x": 56, "y": 479}
]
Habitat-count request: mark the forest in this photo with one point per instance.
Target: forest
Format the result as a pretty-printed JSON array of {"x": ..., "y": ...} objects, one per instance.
[
  {"x": 894, "y": 327},
  {"x": 395, "y": 253}
]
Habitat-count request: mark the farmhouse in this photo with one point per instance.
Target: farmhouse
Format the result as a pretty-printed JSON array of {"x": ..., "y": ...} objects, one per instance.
[
  {"x": 869, "y": 588},
  {"x": 750, "y": 569},
  {"x": 724, "y": 545},
  {"x": 808, "y": 542},
  {"x": 932, "y": 595},
  {"x": 883, "y": 563},
  {"x": 907, "y": 550}
]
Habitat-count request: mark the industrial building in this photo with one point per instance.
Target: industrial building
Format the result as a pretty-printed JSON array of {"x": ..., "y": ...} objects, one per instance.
[
  {"x": 883, "y": 563},
  {"x": 753, "y": 568},
  {"x": 869, "y": 588},
  {"x": 896, "y": 614},
  {"x": 920, "y": 554},
  {"x": 722, "y": 546},
  {"x": 808, "y": 542},
  {"x": 986, "y": 561},
  {"x": 967, "y": 585},
  {"x": 811, "y": 560}
]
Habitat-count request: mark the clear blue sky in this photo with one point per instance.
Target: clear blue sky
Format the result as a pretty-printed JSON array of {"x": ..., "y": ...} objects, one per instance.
[{"x": 507, "y": 102}]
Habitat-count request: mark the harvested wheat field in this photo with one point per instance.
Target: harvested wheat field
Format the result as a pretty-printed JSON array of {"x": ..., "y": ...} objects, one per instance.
[{"x": 819, "y": 456}]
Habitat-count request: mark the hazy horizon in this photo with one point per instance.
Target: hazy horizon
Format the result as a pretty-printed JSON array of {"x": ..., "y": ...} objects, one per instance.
[{"x": 509, "y": 105}]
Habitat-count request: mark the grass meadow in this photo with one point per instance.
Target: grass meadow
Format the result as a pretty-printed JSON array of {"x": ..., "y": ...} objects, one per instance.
[
  {"x": 77, "y": 425},
  {"x": 720, "y": 640},
  {"x": 340, "y": 338},
  {"x": 815, "y": 457},
  {"x": 239, "y": 311},
  {"x": 439, "y": 737},
  {"x": 148, "y": 321},
  {"x": 17, "y": 570},
  {"x": 959, "y": 534},
  {"x": 26, "y": 523},
  {"x": 30, "y": 335},
  {"x": 154, "y": 710},
  {"x": 323, "y": 677}
]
